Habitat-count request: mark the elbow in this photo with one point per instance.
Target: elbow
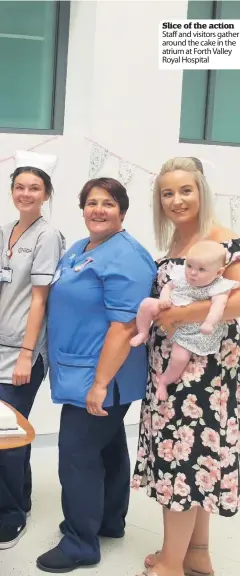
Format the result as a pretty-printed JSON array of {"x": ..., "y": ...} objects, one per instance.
[
  {"x": 39, "y": 301},
  {"x": 128, "y": 329}
]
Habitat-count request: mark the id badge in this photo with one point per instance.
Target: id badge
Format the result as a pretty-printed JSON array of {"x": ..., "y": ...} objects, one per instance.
[
  {"x": 6, "y": 275},
  {"x": 56, "y": 276}
]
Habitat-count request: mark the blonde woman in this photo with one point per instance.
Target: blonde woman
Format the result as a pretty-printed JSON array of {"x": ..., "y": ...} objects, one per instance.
[{"x": 187, "y": 452}]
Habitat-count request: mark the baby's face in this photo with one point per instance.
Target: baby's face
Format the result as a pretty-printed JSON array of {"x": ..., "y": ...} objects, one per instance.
[{"x": 200, "y": 272}]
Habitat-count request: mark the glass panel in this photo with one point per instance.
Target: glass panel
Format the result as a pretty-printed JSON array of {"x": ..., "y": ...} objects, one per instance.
[
  {"x": 194, "y": 85},
  {"x": 27, "y": 60}
]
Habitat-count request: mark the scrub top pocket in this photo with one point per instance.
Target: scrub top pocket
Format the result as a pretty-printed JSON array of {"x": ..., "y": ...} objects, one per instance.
[{"x": 75, "y": 377}]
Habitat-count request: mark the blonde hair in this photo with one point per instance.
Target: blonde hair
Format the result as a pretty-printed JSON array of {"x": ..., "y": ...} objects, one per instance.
[{"x": 165, "y": 234}]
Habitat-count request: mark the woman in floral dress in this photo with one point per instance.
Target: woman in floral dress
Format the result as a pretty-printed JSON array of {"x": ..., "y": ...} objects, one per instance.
[{"x": 188, "y": 445}]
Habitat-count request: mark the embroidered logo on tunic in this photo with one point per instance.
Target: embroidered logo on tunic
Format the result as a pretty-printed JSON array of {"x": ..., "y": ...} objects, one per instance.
[{"x": 27, "y": 250}]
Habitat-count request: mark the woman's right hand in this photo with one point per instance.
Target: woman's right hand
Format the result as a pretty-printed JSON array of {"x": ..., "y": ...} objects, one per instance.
[
  {"x": 169, "y": 320},
  {"x": 23, "y": 369}
]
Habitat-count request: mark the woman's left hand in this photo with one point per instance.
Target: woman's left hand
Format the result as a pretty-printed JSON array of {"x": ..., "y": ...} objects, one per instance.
[
  {"x": 22, "y": 371},
  {"x": 95, "y": 399},
  {"x": 169, "y": 320}
]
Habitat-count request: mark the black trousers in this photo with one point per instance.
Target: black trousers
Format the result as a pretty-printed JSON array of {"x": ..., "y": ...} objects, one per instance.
[
  {"x": 15, "y": 470},
  {"x": 94, "y": 471}
]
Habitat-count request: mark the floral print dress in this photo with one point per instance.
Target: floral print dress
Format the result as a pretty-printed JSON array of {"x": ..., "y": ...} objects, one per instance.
[{"x": 188, "y": 450}]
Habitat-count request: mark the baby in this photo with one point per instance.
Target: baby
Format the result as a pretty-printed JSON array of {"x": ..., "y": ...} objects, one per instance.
[{"x": 200, "y": 278}]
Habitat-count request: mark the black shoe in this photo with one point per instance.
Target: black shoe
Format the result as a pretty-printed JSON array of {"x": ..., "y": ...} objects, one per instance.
[
  {"x": 10, "y": 535},
  {"x": 55, "y": 561}
]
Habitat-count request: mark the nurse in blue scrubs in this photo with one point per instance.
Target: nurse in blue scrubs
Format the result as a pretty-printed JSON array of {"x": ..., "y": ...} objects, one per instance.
[{"x": 94, "y": 372}]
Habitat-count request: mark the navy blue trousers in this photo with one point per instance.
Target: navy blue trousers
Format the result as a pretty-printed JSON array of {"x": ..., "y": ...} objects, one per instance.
[
  {"x": 15, "y": 470},
  {"x": 94, "y": 471}
]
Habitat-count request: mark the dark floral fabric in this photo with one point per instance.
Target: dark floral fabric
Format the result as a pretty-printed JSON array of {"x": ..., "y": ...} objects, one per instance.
[{"x": 188, "y": 450}]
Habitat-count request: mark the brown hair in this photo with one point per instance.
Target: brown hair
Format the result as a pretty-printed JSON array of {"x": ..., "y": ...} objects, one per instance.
[{"x": 112, "y": 186}]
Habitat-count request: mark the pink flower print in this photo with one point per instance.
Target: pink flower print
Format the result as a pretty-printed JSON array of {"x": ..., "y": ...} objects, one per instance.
[
  {"x": 194, "y": 369},
  {"x": 176, "y": 507},
  {"x": 231, "y": 361},
  {"x": 185, "y": 434},
  {"x": 166, "y": 412},
  {"x": 210, "y": 504},
  {"x": 136, "y": 483},
  {"x": 212, "y": 465},
  {"x": 230, "y": 353},
  {"x": 214, "y": 400},
  {"x": 223, "y": 415},
  {"x": 181, "y": 451},
  {"x": 208, "y": 462},
  {"x": 227, "y": 458},
  {"x": 147, "y": 419},
  {"x": 216, "y": 382},
  {"x": 204, "y": 480},
  {"x": 180, "y": 487},
  {"x": 141, "y": 453},
  {"x": 165, "y": 450},
  {"x": 190, "y": 408},
  {"x": 224, "y": 394},
  {"x": 218, "y": 403},
  {"x": 165, "y": 490},
  {"x": 227, "y": 347},
  {"x": 156, "y": 422},
  {"x": 157, "y": 362},
  {"x": 229, "y": 501},
  {"x": 238, "y": 392},
  {"x": 232, "y": 431},
  {"x": 230, "y": 481},
  {"x": 211, "y": 439}
]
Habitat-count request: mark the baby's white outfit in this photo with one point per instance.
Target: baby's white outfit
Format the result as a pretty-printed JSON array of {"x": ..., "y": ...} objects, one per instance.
[{"x": 189, "y": 335}]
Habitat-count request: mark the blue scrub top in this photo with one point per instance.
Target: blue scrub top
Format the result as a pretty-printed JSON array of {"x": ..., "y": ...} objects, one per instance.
[{"x": 89, "y": 291}]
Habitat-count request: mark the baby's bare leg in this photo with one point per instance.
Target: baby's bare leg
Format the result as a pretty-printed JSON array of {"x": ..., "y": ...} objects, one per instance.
[
  {"x": 177, "y": 363},
  {"x": 148, "y": 308}
]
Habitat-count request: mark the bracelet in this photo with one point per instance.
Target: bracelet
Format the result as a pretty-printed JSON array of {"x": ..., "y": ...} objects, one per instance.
[{"x": 28, "y": 349}]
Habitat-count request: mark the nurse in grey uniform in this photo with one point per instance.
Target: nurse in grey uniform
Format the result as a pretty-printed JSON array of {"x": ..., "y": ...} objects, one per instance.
[{"x": 30, "y": 249}]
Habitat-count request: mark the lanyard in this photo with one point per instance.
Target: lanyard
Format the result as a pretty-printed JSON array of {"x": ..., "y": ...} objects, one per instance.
[{"x": 10, "y": 248}]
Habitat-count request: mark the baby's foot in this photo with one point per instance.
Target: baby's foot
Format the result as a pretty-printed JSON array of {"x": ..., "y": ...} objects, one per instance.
[
  {"x": 141, "y": 338},
  {"x": 161, "y": 393},
  {"x": 206, "y": 328}
]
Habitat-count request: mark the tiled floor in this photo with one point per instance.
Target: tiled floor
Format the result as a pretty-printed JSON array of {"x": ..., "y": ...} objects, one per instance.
[{"x": 119, "y": 558}]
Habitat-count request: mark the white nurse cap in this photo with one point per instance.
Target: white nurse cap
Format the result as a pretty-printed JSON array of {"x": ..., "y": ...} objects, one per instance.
[{"x": 45, "y": 162}]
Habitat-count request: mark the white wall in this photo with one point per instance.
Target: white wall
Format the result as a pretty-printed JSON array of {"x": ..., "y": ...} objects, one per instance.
[{"x": 117, "y": 96}]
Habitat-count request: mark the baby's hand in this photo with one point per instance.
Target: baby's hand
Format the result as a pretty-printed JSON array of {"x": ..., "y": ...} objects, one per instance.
[
  {"x": 164, "y": 304},
  {"x": 206, "y": 328}
]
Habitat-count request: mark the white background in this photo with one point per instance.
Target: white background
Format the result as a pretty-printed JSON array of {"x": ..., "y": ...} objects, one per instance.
[{"x": 117, "y": 96}]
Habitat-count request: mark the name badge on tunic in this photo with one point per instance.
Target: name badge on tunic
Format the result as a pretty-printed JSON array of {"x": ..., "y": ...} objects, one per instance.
[
  {"x": 81, "y": 266},
  {"x": 6, "y": 275},
  {"x": 56, "y": 276}
]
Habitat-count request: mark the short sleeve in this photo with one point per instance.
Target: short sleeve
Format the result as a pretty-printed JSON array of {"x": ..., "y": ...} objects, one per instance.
[
  {"x": 224, "y": 285},
  {"x": 48, "y": 251},
  {"x": 126, "y": 282}
]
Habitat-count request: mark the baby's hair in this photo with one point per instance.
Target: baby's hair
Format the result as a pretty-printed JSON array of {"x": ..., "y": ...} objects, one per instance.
[{"x": 210, "y": 250}]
